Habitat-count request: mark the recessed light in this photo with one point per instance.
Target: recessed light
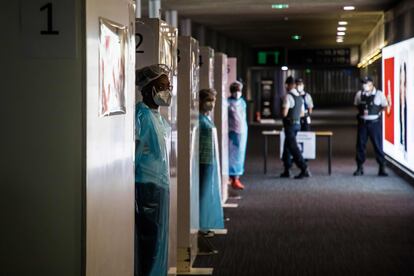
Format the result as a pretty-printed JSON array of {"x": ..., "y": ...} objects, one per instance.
[
  {"x": 341, "y": 29},
  {"x": 339, "y": 41},
  {"x": 349, "y": 8},
  {"x": 341, "y": 33},
  {"x": 285, "y": 68},
  {"x": 342, "y": 23},
  {"x": 280, "y": 6}
]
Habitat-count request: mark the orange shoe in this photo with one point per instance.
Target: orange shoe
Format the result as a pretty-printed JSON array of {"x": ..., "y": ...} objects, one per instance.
[{"x": 236, "y": 184}]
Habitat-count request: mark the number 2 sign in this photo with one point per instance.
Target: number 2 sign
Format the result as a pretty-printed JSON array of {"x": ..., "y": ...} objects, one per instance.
[{"x": 48, "y": 28}]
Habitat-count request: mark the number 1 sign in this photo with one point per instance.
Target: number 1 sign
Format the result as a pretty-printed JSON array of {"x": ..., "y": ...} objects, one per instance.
[{"x": 48, "y": 28}]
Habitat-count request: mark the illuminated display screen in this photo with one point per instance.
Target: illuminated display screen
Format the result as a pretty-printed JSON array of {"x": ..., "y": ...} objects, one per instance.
[
  {"x": 398, "y": 86},
  {"x": 268, "y": 58}
]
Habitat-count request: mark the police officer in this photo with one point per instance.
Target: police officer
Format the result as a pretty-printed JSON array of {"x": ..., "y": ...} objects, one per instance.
[
  {"x": 370, "y": 103},
  {"x": 305, "y": 121},
  {"x": 292, "y": 110}
]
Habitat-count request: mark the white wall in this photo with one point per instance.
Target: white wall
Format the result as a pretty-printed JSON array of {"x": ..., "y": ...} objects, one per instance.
[{"x": 110, "y": 157}]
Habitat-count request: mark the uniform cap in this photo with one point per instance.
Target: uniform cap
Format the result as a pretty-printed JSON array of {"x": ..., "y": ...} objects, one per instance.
[
  {"x": 299, "y": 80},
  {"x": 367, "y": 79}
]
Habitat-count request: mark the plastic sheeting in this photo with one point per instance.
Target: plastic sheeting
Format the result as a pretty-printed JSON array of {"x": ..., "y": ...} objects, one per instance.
[
  {"x": 152, "y": 192},
  {"x": 237, "y": 135},
  {"x": 211, "y": 211}
]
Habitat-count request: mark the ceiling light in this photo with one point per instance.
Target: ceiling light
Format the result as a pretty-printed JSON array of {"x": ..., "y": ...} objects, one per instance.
[
  {"x": 341, "y": 29},
  {"x": 342, "y": 23},
  {"x": 296, "y": 37},
  {"x": 280, "y": 6},
  {"x": 341, "y": 33},
  {"x": 349, "y": 8},
  {"x": 285, "y": 68},
  {"x": 339, "y": 41}
]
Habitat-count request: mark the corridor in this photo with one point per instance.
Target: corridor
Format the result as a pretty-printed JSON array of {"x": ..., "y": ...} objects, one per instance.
[{"x": 324, "y": 225}]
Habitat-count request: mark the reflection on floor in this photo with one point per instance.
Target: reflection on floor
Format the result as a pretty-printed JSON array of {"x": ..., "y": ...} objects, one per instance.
[{"x": 325, "y": 225}]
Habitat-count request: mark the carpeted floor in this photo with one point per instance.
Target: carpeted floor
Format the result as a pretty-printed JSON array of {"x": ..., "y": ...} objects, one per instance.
[{"x": 325, "y": 225}]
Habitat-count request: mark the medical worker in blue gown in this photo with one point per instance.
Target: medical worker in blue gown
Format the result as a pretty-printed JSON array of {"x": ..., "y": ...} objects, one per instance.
[
  {"x": 237, "y": 134},
  {"x": 211, "y": 211},
  {"x": 152, "y": 179}
]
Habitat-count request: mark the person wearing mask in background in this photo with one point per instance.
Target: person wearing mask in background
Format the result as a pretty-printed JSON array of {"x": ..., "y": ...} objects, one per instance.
[
  {"x": 152, "y": 180},
  {"x": 305, "y": 121},
  {"x": 237, "y": 134},
  {"x": 211, "y": 211},
  {"x": 370, "y": 103},
  {"x": 292, "y": 111}
]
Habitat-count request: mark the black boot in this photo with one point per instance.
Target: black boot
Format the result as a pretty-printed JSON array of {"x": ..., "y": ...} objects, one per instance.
[
  {"x": 381, "y": 171},
  {"x": 359, "y": 171},
  {"x": 285, "y": 174},
  {"x": 303, "y": 173}
]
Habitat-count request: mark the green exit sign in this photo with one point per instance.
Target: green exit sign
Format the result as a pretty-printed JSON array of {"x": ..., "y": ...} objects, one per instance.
[
  {"x": 280, "y": 6},
  {"x": 268, "y": 57}
]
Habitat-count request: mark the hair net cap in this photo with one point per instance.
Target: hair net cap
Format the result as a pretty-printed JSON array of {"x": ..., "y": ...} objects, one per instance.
[
  {"x": 236, "y": 84},
  {"x": 150, "y": 73}
]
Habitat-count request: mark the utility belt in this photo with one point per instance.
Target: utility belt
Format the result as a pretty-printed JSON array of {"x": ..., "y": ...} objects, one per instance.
[
  {"x": 363, "y": 121},
  {"x": 290, "y": 122}
]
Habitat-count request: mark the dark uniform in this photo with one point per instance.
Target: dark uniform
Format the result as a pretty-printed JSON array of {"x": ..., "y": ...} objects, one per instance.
[
  {"x": 291, "y": 124},
  {"x": 370, "y": 105}
]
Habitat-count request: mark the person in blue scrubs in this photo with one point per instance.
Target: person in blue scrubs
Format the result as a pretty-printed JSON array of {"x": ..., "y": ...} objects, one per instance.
[
  {"x": 211, "y": 210},
  {"x": 237, "y": 134},
  {"x": 152, "y": 180}
]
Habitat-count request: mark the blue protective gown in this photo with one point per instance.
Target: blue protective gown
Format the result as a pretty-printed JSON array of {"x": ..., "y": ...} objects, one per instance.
[
  {"x": 237, "y": 135},
  {"x": 211, "y": 210},
  {"x": 152, "y": 190}
]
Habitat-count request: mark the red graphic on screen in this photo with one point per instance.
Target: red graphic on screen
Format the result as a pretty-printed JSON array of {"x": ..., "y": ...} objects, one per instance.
[{"x": 389, "y": 93}]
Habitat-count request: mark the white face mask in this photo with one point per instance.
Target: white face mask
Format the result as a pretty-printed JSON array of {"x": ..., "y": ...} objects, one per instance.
[
  {"x": 301, "y": 88},
  {"x": 238, "y": 94},
  {"x": 209, "y": 106},
  {"x": 366, "y": 87},
  {"x": 162, "y": 98}
]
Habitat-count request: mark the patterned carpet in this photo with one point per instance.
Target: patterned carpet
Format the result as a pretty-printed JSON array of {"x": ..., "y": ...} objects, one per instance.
[{"x": 324, "y": 225}]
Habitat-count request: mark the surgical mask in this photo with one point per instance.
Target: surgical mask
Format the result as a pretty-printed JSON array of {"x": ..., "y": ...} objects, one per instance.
[
  {"x": 365, "y": 87},
  {"x": 162, "y": 98},
  {"x": 209, "y": 106},
  {"x": 238, "y": 94},
  {"x": 301, "y": 87}
]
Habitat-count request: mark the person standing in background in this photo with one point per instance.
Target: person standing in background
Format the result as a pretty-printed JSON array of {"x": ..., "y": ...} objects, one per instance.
[
  {"x": 370, "y": 103},
  {"x": 305, "y": 121},
  {"x": 211, "y": 210},
  {"x": 292, "y": 111},
  {"x": 238, "y": 132}
]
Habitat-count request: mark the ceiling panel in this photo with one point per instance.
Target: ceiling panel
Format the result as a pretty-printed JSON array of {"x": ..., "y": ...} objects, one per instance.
[{"x": 258, "y": 25}]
